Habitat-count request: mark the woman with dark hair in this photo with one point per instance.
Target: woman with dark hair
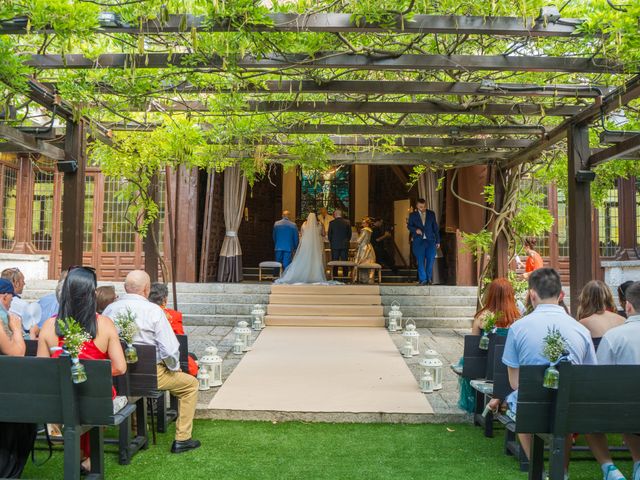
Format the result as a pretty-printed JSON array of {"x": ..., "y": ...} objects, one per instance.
[
  {"x": 501, "y": 299},
  {"x": 596, "y": 310},
  {"x": 78, "y": 301},
  {"x": 534, "y": 260},
  {"x": 622, "y": 297},
  {"x": 105, "y": 296}
]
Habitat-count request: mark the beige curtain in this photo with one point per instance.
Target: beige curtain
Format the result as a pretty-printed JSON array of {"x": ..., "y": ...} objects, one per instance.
[
  {"x": 428, "y": 189},
  {"x": 235, "y": 192}
]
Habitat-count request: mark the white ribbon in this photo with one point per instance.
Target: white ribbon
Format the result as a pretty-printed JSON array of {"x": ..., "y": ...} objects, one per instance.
[{"x": 231, "y": 233}]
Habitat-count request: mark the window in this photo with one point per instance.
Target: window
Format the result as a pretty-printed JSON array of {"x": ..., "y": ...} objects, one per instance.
[
  {"x": 118, "y": 234},
  {"x": 608, "y": 235},
  {"x": 563, "y": 225},
  {"x": 42, "y": 210},
  {"x": 542, "y": 200},
  {"x": 89, "y": 193},
  {"x": 9, "y": 199},
  {"x": 330, "y": 189}
]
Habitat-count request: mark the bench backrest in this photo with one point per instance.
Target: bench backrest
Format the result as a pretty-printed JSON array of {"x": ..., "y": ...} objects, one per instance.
[
  {"x": 32, "y": 348},
  {"x": 142, "y": 376},
  {"x": 184, "y": 352},
  {"x": 494, "y": 341},
  {"x": 475, "y": 360},
  {"x": 501, "y": 386},
  {"x": 40, "y": 390},
  {"x": 591, "y": 399}
]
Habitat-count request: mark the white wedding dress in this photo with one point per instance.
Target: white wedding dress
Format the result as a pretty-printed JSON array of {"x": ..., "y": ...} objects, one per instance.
[{"x": 307, "y": 265}]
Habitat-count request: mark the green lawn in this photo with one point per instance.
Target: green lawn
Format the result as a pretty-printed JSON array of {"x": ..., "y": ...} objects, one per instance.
[{"x": 263, "y": 450}]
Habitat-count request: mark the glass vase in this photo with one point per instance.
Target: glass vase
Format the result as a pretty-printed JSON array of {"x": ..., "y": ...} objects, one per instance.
[
  {"x": 130, "y": 354},
  {"x": 484, "y": 342},
  {"x": 78, "y": 372},
  {"x": 551, "y": 378}
]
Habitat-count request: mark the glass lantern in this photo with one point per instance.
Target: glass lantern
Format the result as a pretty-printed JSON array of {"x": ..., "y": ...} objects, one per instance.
[
  {"x": 130, "y": 354},
  {"x": 395, "y": 317},
  {"x": 244, "y": 332},
  {"x": 433, "y": 366},
  {"x": 257, "y": 317},
  {"x": 78, "y": 372},
  {"x": 213, "y": 363},
  {"x": 406, "y": 349},
  {"x": 238, "y": 346},
  {"x": 203, "y": 379},
  {"x": 426, "y": 383},
  {"x": 410, "y": 333}
]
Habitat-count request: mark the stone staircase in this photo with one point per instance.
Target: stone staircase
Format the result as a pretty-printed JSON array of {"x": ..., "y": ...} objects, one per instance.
[
  {"x": 325, "y": 306},
  {"x": 216, "y": 304}
]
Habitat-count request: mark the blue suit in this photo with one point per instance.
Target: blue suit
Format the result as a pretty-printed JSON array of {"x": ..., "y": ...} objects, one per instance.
[
  {"x": 424, "y": 246},
  {"x": 285, "y": 238}
]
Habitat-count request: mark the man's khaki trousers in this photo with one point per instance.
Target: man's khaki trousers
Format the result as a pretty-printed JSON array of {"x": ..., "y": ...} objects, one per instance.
[{"x": 185, "y": 388}]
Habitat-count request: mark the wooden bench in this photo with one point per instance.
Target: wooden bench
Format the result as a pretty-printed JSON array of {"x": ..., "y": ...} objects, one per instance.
[
  {"x": 40, "y": 390},
  {"x": 376, "y": 267},
  {"x": 269, "y": 265},
  {"x": 346, "y": 266},
  {"x": 591, "y": 399}
]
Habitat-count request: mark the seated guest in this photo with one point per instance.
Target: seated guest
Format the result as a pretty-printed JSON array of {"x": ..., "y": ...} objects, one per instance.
[
  {"x": 155, "y": 330},
  {"x": 11, "y": 338},
  {"x": 19, "y": 306},
  {"x": 78, "y": 301},
  {"x": 596, "y": 310},
  {"x": 159, "y": 294},
  {"x": 621, "y": 296},
  {"x": 620, "y": 346},
  {"x": 525, "y": 340},
  {"x": 49, "y": 303},
  {"x": 105, "y": 296}
]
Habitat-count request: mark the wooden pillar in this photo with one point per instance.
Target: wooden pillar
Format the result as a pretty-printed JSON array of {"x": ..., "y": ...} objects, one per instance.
[
  {"x": 24, "y": 205},
  {"x": 501, "y": 248},
  {"x": 290, "y": 193},
  {"x": 580, "y": 211},
  {"x": 75, "y": 147},
  {"x": 153, "y": 235},
  {"x": 627, "y": 219},
  {"x": 361, "y": 207}
]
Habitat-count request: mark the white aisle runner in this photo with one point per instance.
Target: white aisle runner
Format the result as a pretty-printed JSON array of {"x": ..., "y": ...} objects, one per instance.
[{"x": 322, "y": 369}]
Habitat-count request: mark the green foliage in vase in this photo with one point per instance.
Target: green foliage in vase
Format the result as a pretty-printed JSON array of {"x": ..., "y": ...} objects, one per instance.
[
  {"x": 126, "y": 324},
  {"x": 490, "y": 320},
  {"x": 554, "y": 345},
  {"x": 74, "y": 335}
]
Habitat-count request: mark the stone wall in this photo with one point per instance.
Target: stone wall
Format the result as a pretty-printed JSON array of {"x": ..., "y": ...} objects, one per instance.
[{"x": 33, "y": 266}]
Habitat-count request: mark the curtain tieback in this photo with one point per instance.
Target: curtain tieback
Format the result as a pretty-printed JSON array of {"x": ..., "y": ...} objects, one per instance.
[{"x": 231, "y": 233}]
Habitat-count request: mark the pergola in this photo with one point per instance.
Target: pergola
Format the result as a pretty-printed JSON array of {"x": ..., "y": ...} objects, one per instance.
[{"x": 465, "y": 103}]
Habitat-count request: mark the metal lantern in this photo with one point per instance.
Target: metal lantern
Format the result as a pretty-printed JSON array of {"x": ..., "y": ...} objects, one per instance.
[
  {"x": 244, "y": 332},
  {"x": 213, "y": 363},
  {"x": 238, "y": 346},
  {"x": 426, "y": 383},
  {"x": 411, "y": 334},
  {"x": 203, "y": 379},
  {"x": 406, "y": 349},
  {"x": 257, "y": 317},
  {"x": 433, "y": 367},
  {"x": 395, "y": 317}
]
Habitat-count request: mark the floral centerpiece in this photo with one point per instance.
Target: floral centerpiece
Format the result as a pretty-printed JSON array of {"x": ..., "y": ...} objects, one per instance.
[
  {"x": 127, "y": 328},
  {"x": 554, "y": 350},
  {"x": 488, "y": 326},
  {"x": 74, "y": 339}
]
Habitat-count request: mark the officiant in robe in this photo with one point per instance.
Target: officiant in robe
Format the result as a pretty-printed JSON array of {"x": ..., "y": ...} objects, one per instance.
[
  {"x": 425, "y": 240},
  {"x": 285, "y": 239}
]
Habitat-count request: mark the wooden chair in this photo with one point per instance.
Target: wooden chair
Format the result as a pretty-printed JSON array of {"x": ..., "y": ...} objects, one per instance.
[
  {"x": 269, "y": 265},
  {"x": 376, "y": 267},
  {"x": 347, "y": 267}
]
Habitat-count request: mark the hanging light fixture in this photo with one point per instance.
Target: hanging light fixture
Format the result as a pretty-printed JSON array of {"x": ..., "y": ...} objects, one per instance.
[
  {"x": 410, "y": 334},
  {"x": 213, "y": 363},
  {"x": 395, "y": 317}
]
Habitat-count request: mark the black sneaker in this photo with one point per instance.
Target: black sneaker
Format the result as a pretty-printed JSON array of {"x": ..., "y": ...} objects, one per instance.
[{"x": 180, "y": 446}]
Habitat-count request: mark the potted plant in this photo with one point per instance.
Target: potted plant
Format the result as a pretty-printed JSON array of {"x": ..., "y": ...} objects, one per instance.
[
  {"x": 127, "y": 328},
  {"x": 74, "y": 339},
  {"x": 554, "y": 350}
]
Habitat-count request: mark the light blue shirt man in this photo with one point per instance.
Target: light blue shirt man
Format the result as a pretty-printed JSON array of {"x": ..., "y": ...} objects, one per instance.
[
  {"x": 621, "y": 345},
  {"x": 48, "y": 307}
]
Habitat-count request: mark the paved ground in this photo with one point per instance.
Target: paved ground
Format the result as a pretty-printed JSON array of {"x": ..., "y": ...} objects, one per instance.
[{"x": 446, "y": 341}]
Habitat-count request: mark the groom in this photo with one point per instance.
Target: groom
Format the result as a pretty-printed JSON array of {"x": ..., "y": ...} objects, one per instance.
[
  {"x": 425, "y": 240},
  {"x": 339, "y": 235},
  {"x": 285, "y": 238}
]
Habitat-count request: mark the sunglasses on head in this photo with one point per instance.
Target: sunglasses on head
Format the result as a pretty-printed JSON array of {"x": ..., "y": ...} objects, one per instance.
[{"x": 89, "y": 269}]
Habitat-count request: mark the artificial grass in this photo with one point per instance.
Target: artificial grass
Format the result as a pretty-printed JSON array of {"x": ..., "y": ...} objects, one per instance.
[{"x": 293, "y": 450}]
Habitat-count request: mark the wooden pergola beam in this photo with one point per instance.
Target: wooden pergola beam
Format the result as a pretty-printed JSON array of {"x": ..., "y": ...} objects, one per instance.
[
  {"x": 324, "y": 60},
  {"x": 392, "y": 87},
  {"x": 423, "y": 107},
  {"x": 29, "y": 143},
  {"x": 335, "y": 22},
  {"x": 623, "y": 149}
]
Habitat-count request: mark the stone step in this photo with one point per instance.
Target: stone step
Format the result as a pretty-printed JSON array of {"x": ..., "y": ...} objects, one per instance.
[
  {"x": 434, "y": 311},
  {"x": 325, "y": 289},
  {"x": 318, "y": 321},
  {"x": 430, "y": 300},
  {"x": 436, "y": 290},
  {"x": 195, "y": 320},
  {"x": 326, "y": 310},
  {"x": 224, "y": 298},
  {"x": 324, "y": 299},
  {"x": 215, "y": 308}
]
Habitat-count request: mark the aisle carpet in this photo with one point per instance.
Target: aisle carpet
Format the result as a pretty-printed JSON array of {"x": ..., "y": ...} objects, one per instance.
[{"x": 322, "y": 369}]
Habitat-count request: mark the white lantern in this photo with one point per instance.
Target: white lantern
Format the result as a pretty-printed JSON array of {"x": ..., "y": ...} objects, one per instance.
[
  {"x": 426, "y": 383},
  {"x": 395, "y": 317},
  {"x": 410, "y": 334},
  {"x": 203, "y": 379},
  {"x": 244, "y": 332},
  {"x": 406, "y": 349},
  {"x": 433, "y": 366},
  {"x": 238, "y": 346},
  {"x": 213, "y": 363},
  {"x": 257, "y": 317}
]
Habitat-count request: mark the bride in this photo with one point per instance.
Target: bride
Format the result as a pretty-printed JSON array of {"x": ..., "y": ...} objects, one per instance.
[{"x": 307, "y": 265}]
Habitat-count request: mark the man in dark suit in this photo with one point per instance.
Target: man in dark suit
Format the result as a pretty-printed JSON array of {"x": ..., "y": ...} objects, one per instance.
[
  {"x": 339, "y": 235},
  {"x": 285, "y": 238},
  {"x": 425, "y": 239}
]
